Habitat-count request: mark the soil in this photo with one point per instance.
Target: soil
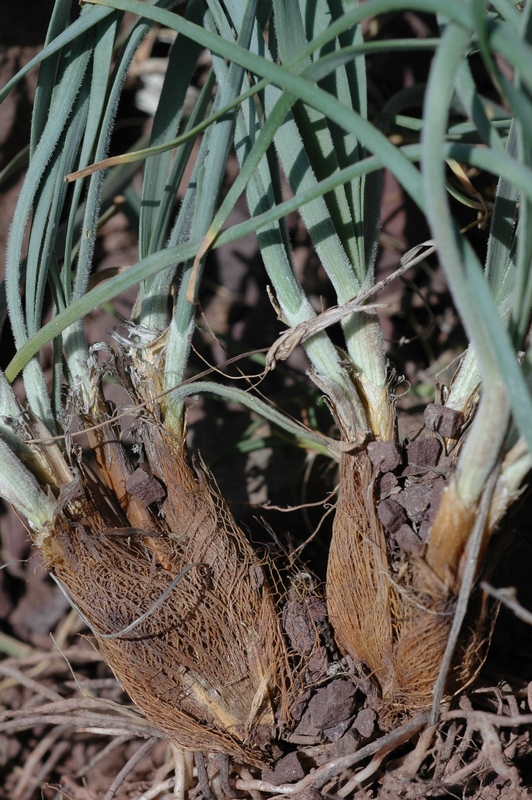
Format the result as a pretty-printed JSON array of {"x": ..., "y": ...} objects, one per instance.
[{"x": 66, "y": 728}]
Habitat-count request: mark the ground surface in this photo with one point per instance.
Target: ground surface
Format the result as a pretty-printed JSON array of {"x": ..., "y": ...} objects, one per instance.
[{"x": 59, "y": 734}]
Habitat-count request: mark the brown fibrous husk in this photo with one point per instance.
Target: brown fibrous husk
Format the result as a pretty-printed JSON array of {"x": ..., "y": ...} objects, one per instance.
[
  {"x": 397, "y": 622},
  {"x": 208, "y": 665}
]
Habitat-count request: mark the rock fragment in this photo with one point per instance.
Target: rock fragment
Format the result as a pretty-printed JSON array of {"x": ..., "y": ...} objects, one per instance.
[
  {"x": 415, "y": 500},
  {"x": 144, "y": 486},
  {"x": 386, "y": 456},
  {"x": 421, "y": 454},
  {"x": 446, "y": 421},
  {"x": 391, "y": 515}
]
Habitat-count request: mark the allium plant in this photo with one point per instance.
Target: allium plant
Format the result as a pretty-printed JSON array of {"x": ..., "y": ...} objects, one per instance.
[{"x": 144, "y": 545}]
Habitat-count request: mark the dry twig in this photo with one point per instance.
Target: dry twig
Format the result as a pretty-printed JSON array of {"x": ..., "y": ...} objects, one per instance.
[
  {"x": 290, "y": 339},
  {"x": 508, "y": 597}
]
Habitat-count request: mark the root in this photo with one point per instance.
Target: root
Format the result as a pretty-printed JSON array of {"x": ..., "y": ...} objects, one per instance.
[
  {"x": 317, "y": 779},
  {"x": 124, "y": 772}
]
